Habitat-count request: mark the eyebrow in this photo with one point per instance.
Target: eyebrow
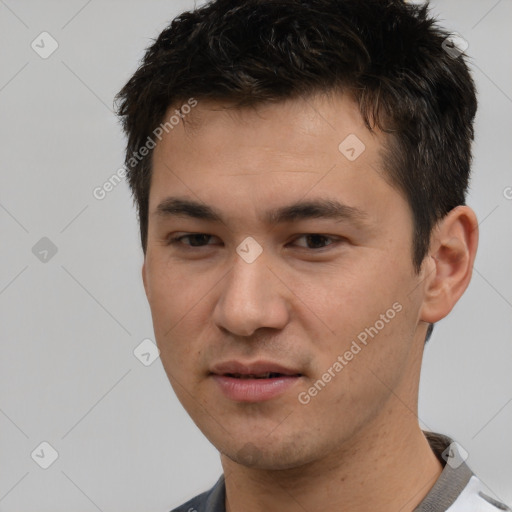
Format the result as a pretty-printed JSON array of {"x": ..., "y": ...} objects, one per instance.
[{"x": 301, "y": 210}]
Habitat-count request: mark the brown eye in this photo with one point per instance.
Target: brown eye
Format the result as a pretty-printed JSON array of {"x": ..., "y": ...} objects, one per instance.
[
  {"x": 316, "y": 241},
  {"x": 195, "y": 240}
]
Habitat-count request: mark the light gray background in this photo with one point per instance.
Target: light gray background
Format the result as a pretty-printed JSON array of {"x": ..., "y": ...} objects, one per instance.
[{"x": 69, "y": 326}]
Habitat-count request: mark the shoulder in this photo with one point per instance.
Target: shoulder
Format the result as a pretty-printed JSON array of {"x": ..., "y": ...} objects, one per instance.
[
  {"x": 474, "y": 497},
  {"x": 196, "y": 504},
  {"x": 457, "y": 489},
  {"x": 209, "y": 501}
]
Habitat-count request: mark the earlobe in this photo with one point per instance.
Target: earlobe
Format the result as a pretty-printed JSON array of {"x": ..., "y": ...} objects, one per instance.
[{"x": 451, "y": 257}]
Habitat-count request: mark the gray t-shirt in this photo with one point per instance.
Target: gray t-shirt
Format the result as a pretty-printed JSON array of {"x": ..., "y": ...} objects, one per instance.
[{"x": 456, "y": 490}]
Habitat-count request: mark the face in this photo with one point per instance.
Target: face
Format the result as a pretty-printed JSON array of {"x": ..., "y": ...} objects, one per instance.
[{"x": 273, "y": 249}]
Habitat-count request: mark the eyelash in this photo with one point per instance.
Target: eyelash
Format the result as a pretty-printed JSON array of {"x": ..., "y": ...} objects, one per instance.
[{"x": 177, "y": 240}]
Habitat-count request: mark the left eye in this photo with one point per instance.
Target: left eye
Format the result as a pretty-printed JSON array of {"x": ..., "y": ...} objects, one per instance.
[{"x": 316, "y": 240}]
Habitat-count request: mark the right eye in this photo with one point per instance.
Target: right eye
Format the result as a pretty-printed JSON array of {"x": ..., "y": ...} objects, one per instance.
[{"x": 195, "y": 239}]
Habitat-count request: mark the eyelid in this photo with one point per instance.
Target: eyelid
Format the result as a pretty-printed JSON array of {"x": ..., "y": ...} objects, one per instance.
[
  {"x": 335, "y": 240},
  {"x": 176, "y": 239}
]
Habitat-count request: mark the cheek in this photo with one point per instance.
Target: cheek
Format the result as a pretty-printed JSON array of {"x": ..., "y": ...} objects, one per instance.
[
  {"x": 344, "y": 299},
  {"x": 366, "y": 304},
  {"x": 172, "y": 292},
  {"x": 181, "y": 306},
  {"x": 171, "y": 300}
]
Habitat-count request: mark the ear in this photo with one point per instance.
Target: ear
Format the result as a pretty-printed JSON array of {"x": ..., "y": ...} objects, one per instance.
[{"x": 449, "y": 263}]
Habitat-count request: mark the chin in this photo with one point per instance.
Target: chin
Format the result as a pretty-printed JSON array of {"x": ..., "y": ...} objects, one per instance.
[{"x": 267, "y": 456}]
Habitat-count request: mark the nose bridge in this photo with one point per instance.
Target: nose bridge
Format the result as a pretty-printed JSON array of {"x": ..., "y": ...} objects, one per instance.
[{"x": 251, "y": 296}]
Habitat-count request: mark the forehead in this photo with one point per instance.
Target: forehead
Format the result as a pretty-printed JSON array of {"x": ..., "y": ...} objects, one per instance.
[
  {"x": 270, "y": 155},
  {"x": 292, "y": 126}
]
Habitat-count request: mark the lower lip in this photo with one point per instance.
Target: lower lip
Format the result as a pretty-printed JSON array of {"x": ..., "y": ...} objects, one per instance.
[{"x": 254, "y": 390}]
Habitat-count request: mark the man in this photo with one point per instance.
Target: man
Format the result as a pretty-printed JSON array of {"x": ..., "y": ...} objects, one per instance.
[{"x": 300, "y": 170}]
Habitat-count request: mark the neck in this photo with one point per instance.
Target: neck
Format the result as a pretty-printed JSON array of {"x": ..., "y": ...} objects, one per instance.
[{"x": 389, "y": 472}]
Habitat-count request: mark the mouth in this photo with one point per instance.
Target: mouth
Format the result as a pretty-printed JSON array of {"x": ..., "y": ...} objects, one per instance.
[
  {"x": 267, "y": 375},
  {"x": 254, "y": 370},
  {"x": 254, "y": 382}
]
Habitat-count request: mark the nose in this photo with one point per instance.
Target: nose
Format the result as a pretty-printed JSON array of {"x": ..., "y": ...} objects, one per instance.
[{"x": 251, "y": 297}]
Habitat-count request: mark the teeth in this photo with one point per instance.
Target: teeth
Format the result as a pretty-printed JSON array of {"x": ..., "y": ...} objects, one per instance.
[{"x": 259, "y": 376}]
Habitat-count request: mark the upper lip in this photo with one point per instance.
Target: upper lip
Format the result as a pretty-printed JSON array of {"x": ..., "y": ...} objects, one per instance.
[{"x": 254, "y": 368}]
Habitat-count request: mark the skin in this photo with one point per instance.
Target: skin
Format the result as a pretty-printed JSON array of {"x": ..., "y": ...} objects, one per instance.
[{"x": 357, "y": 444}]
